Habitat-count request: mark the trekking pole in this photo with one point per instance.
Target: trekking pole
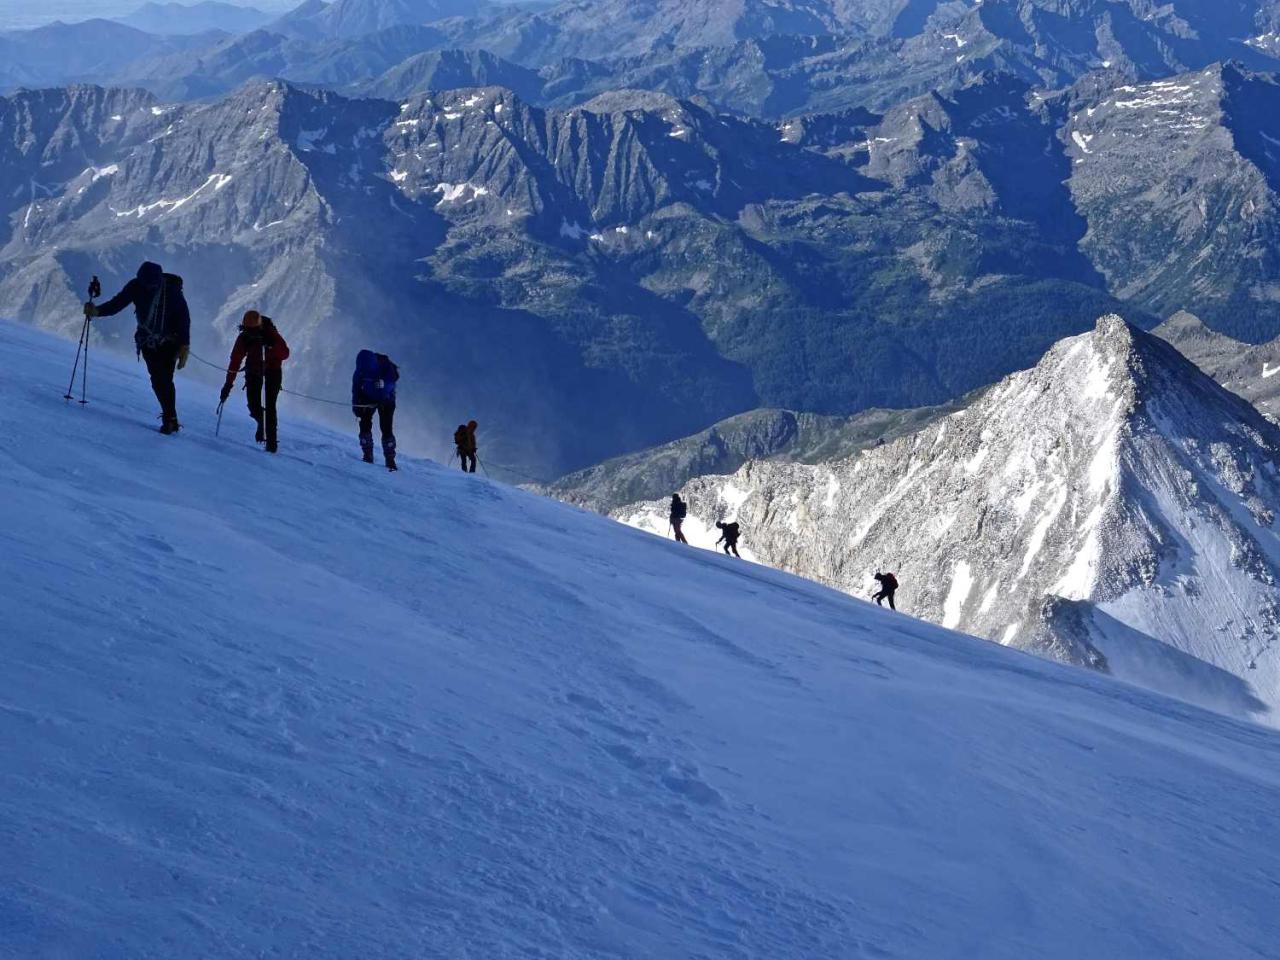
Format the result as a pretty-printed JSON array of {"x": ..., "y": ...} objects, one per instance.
[
  {"x": 95, "y": 291},
  {"x": 84, "y": 371},
  {"x": 483, "y": 467},
  {"x": 218, "y": 428},
  {"x": 75, "y": 367}
]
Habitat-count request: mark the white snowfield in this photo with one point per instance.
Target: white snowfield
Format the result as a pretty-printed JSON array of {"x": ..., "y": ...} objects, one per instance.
[{"x": 301, "y": 707}]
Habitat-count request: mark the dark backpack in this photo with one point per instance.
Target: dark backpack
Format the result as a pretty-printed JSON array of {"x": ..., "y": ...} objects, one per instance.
[
  {"x": 731, "y": 532},
  {"x": 679, "y": 510},
  {"x": 160, "y": 322},
  {"x": 890, "y": 582}
]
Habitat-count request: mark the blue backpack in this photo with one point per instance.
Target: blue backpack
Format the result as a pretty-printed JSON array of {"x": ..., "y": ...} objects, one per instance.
[{"x": 375, "y": 378}]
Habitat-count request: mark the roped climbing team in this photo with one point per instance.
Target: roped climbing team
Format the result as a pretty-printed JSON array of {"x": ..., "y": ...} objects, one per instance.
[{"x": 163, "y": 341}]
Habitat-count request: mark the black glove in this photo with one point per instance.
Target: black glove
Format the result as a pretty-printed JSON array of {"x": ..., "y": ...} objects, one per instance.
[
  {"x": 90, "y": 310},
  {"x": 226, "y": 391}
]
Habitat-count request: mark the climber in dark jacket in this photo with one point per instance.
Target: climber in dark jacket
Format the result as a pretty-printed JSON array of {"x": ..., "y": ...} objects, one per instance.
[
  {"x": 263, "y": 351},
  {"x": 373, "y": 389},
  {"x": 163, "y": 337},
  {"x": 888, "y": 587},
  {"x": 729, "y": 533},
  {"x": 679, "y": 510},
  {"x": 464, "y": 438}
]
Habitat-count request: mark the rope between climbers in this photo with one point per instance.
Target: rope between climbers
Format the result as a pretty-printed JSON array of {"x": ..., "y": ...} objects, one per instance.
[{"x": 292, "y": 393}]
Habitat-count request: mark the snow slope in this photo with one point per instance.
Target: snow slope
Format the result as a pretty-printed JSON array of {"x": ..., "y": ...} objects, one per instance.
[
  {"x": 1112, "y": 507},
  {"x": 300, "y": 707}
]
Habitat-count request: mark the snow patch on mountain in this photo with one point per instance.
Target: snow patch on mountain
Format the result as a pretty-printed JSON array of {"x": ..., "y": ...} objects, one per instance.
[{"x": 215, "y": 183}]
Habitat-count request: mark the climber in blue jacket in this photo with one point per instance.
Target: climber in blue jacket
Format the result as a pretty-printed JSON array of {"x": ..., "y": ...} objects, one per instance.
[{"x": 373, "y": 389}]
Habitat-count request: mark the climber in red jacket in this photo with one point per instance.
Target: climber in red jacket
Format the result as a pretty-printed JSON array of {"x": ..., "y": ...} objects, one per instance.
[{"x": 263, "y": 352}]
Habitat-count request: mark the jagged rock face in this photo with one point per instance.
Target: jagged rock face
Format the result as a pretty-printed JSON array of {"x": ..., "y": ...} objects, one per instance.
[
  {"x": 1178, "y": 181},
  {"x": 1114, "y": 474},
  {"x": 615, "y": 161}
]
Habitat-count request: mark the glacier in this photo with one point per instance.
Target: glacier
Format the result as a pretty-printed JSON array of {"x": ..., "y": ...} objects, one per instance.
[{"x": 297, "y": 706}]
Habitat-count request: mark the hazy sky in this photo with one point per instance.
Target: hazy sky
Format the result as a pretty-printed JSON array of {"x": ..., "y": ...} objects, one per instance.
[{"x": 18, "y": 14}]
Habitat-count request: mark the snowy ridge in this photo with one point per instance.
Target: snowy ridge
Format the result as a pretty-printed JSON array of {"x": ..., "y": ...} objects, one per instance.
[
  {"x": 296, "y": 706},
  {"x": 1114, "y": 474}
]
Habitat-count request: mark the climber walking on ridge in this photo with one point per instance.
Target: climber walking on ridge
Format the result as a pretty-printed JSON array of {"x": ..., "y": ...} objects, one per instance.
[
  {"x": 888, "y": 587},
  {"x": 729, "y": 537},
  {"x": 464, "y": 438},
  {"x": 679, "y": 510},
  {"x": 163, "y": 337},
  {"x": 373, "y": 390},
  {"x": 263, "y": 351}
]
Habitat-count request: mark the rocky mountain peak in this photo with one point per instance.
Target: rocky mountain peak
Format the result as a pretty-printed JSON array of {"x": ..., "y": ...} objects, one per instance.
[{"x": 1113, "y": 474}]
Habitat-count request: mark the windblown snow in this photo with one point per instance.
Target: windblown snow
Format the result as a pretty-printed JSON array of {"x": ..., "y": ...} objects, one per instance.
[
  {"x": 297, "y": 706},
  {"x": 1114, "y": 475}
]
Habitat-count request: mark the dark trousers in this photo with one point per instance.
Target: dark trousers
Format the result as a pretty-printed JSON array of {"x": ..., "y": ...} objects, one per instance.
[
  {"x": 885, "y": 595},
  {"x": 162, "y": 361},
  {"x": 255, "y": 384},
  {"x": 732, "y": 546},
  {"x": 468, "y": 461},
  {"x": 676, "y": 524},
  {"x": 386, "y": 417}
]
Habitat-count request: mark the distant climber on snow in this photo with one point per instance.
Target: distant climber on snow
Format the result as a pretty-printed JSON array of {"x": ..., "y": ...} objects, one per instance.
[
  {"x": 679, "y": 510},
  {"x": 464, "y": 438},
  {"x": 373, "y": 390},
  {"x": 729, "y": 537},
  {"x": 163, "y": 337},
  {"x": 263, "y": 351},
  {"x": 888, "y": 587}
]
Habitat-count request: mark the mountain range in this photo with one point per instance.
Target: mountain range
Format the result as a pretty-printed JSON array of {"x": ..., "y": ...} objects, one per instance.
[
  {"x": 648, "y": 255},
  {"x": 195, "y": 18},
  {"x": 663, "y": 262},
  {"x": 1113, "y": 507},
  {"x": 762, "y": 57}
]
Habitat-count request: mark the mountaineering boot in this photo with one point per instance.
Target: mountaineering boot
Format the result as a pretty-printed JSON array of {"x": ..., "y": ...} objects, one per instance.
[
  {"x": 368, "y": 455},
  {"x": 259, "y": 435},
  {"x": 170, "y": 425},
  {"x": 271, "y": 446},
  {"x": 366, "y": 447},
  {"x": 391, "y": 463}
]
